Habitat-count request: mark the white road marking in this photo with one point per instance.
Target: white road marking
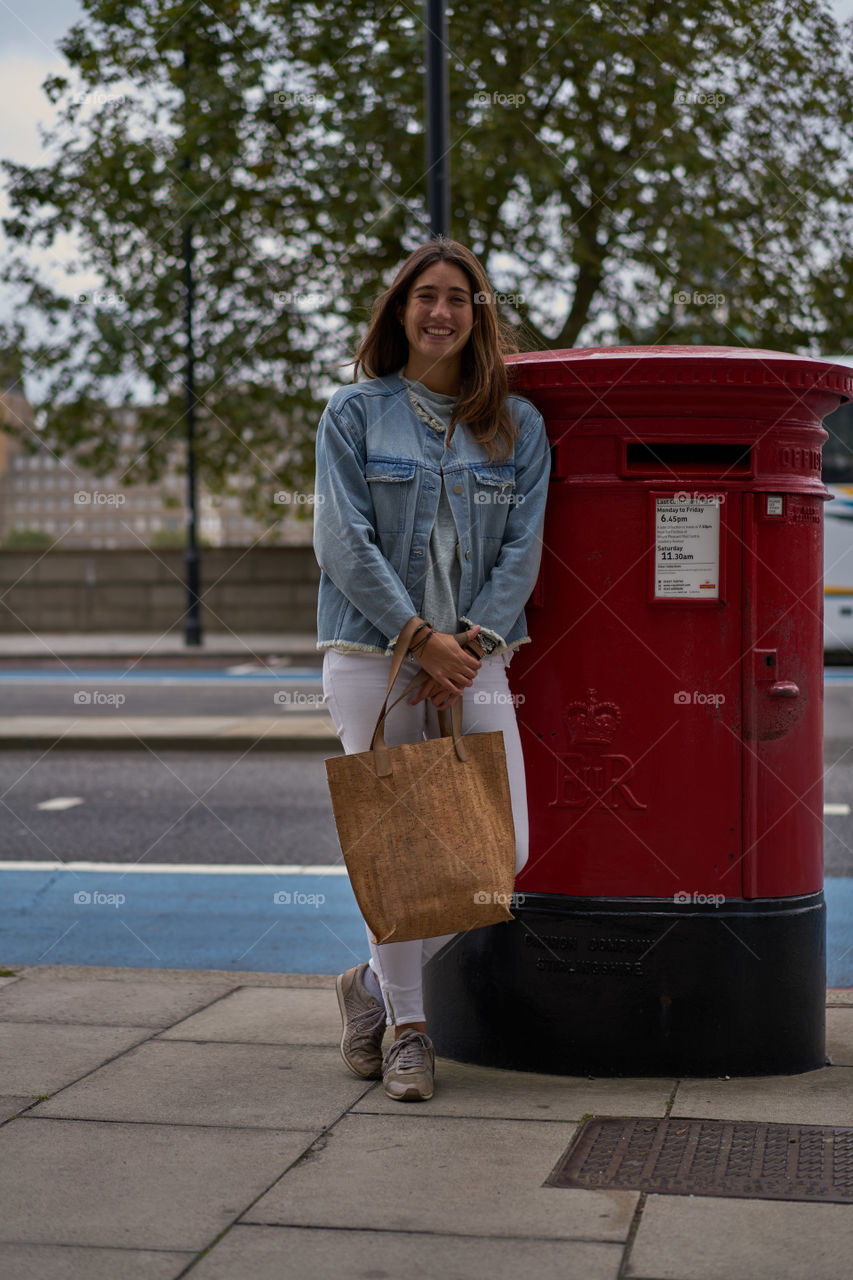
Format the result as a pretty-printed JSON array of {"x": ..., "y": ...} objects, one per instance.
[
  {"x": 60, "y": 802},
  {"x": 169, "y": 868},
  {"x": 842, "y": 809}
]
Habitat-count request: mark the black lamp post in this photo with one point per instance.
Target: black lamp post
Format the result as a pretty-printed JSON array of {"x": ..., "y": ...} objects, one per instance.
[
  {"x": 192, "y": 618},
  {"x": 437, "y": 119},
  {"x": 192, "y": 622}
]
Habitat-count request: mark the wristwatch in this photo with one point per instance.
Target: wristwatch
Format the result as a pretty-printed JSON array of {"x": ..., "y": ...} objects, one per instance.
[{"x": 487, "y": 643}]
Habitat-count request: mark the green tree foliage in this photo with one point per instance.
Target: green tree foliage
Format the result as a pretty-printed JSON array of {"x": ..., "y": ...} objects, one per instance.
[
  {"x": 646, "y": 172},
  {"x": 620, "y": 167},
  {"x": 28, "y": 538},
  {"x": 171, "y": 122}
]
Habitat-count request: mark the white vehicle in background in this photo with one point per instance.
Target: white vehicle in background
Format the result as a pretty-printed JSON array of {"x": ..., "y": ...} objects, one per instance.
[
  {"x": 838, "y": 540},
  {"x": 838, "y": 571}
]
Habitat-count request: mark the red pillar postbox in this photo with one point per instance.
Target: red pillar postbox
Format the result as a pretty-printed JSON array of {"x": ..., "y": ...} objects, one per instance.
[{"x": 671, "y": 915}]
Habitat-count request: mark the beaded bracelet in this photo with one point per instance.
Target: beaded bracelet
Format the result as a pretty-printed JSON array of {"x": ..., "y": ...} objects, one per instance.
[{"x": 420, "y": 644}]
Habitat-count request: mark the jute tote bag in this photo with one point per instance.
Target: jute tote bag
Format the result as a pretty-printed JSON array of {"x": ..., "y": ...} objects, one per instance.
[{"x": 426, "y": 828}]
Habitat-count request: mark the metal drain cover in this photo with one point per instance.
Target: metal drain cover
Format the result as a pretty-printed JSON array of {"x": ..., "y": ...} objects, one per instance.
[{"x": 735, "y": 1158}]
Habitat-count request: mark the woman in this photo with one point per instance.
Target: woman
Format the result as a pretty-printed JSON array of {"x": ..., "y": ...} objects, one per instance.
[{"x": 429, "y": 504}]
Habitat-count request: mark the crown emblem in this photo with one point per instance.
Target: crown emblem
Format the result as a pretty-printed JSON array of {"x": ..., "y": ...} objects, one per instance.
[{"x": 592, "y": 721}]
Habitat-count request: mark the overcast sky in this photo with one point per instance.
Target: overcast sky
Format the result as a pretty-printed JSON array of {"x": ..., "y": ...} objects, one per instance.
[{"x": 29, "y": 33}]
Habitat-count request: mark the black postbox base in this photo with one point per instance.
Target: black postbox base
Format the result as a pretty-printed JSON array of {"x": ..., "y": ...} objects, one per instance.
[{"x": 636, "y": 987}]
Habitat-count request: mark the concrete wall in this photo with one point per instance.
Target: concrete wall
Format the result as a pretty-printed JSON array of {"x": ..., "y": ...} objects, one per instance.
[{"x": 244, "y": 590}]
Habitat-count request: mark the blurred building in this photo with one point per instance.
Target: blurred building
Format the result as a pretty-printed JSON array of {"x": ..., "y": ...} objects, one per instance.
[{"x": 45, "y": 498}]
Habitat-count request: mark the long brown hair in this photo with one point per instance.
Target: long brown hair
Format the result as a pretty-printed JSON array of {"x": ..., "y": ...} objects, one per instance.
[{"x": 484, "y": 386}]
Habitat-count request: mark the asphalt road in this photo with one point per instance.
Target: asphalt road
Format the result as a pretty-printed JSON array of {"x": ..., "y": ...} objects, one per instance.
[
  {"x": 219, "y": 808},
  {"x": 178, "y": 806},
  {"x": 172, "y": 807}
]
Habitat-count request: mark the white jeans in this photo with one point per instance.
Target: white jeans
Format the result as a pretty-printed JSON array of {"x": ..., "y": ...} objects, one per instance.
[{"x": 354, "y": 686}]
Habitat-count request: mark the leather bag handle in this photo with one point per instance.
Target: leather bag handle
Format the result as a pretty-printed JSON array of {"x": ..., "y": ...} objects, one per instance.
[{"x": 381, "y": 758}]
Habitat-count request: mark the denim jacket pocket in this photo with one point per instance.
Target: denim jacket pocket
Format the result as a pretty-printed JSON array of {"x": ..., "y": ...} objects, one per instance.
[
  {"x": 495, "y": 477},
  {"x": 392, "y": 491},
  {"x": 494, "y": 495}
]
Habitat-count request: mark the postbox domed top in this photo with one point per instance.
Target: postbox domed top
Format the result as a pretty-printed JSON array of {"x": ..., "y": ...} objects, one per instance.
[
  {"x": 676, "y": 366},
  {"x": 662, "y": 349}
]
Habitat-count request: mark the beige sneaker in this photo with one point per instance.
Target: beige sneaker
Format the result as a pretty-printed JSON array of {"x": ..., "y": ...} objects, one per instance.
[
  {"x": 408, "y": 1068},
  {"x": 364, "y": 1024}
]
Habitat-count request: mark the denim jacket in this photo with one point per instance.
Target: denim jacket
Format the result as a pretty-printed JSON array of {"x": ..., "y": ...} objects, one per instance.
[{"x": 378, "y": 484}]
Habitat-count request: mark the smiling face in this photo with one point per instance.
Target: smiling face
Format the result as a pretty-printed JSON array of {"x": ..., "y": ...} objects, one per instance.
[{"x": 438, "y": 318}]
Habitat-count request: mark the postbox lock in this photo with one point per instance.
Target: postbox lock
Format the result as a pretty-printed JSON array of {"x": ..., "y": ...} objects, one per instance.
[
  {"x": 765, "y": 664},
  {"x": 777, "y": 706}
]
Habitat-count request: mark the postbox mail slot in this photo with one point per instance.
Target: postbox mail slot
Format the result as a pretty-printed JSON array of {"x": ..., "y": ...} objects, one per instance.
[{"x": 666, "y": 456}]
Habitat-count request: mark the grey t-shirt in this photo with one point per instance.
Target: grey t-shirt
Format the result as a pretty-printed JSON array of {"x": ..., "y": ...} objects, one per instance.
[{"x": 443, "y": 572}]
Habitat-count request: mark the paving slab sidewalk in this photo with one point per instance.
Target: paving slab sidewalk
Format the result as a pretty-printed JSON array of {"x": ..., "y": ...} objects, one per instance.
[
  {"x": 133, "y": 644},
  {"x": 287, "y": 731},
  {"x": 163, "y": 1123},
  {"x": 298, "y": 731}
]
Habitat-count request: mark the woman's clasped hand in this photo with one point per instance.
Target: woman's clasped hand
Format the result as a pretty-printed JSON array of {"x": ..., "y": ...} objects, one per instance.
[{"x": 450, "y": 667}]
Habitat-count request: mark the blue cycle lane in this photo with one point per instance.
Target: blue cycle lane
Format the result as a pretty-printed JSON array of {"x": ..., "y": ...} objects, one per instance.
[
  {"x": 280, "y": 920},
  {"x": 276, "y": 920}
]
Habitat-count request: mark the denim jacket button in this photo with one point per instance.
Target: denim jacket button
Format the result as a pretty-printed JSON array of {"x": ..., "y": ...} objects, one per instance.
[
  {"x": 468, "y": 554},
  {"x": 457, "y": 488}
]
